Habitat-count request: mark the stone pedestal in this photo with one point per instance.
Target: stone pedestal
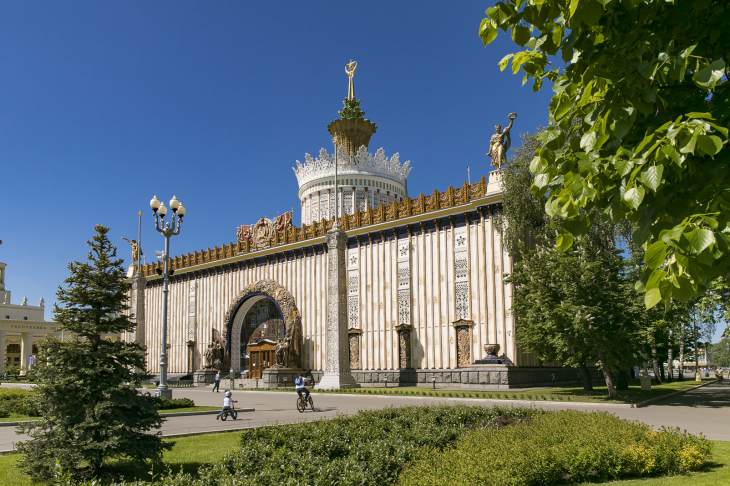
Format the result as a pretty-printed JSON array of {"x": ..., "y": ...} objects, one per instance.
[
  {"x": 137, "y": 306},
  {"x": 276, "y": 377},
  {"x": 203, "y": 377},
  {"x": 404, "y": 345},
  {"x": 337, "y": 369}
]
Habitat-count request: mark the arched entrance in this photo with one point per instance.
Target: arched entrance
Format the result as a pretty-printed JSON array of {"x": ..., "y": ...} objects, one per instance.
[{"x": 263, "y": 314}]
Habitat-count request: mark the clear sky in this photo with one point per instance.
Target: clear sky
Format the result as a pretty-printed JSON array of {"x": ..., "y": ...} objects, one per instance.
[{"x": 103, "y": 104}]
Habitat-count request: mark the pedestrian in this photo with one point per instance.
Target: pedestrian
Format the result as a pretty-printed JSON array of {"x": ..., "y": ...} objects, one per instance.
[{"x": 217, "y": 381}]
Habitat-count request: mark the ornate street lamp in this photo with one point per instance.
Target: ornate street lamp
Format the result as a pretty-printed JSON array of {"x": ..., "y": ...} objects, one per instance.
[{"x": 168, "y": 229}]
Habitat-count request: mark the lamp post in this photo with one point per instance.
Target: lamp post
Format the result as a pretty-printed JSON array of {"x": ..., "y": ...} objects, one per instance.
[{"x": 167, "y": 229}]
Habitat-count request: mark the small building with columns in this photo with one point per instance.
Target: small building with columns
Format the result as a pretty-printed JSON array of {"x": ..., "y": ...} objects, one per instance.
[{"x": 21, "y": 326}]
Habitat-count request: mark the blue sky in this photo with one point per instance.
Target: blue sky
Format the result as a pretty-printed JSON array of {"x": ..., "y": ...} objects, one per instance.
[{"x": 105, "y": 103}]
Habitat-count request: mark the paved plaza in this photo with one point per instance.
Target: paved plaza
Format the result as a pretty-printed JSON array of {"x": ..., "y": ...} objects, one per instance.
[{"x": 705, "y": 410}]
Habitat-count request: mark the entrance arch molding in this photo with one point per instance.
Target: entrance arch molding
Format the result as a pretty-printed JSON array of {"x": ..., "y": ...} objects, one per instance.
[{"x": 246, "y": 299}]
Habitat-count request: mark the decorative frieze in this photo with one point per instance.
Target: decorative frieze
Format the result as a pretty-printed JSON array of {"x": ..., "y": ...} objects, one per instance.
[
  {"x": 354, "y": 336},
  {"x": 404, "y": 281},
  {"x": 404, "y": 345},
  {"x": 363, "y": 217},
  {"x": 192, "y": 316},
  {"x": 461, "y": 274},
  {"x": 353, "y": 288},
  {"x": 463, "y": 342}
]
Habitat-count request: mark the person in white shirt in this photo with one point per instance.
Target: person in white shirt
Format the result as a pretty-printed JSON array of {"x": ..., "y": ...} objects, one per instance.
[
  {"x": 299, "y": 383},
  {"x": 217, "y": 381},
  {"x": 227, "y": 404}
]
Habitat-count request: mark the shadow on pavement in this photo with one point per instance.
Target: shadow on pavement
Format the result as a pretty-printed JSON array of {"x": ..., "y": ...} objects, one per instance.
[{"x": 716, "y": 395}]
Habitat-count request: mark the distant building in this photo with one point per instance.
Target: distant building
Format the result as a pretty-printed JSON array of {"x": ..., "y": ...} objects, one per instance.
[{"x": 21, "y": 326}]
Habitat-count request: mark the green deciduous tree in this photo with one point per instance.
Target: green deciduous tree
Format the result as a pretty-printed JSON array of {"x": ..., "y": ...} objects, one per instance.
[
  {"x": 721, "y": 353},
  {"x": 91, "y": 409},
  {"x": 638, "y": 125},
  {"x": 574, "y": 307}
]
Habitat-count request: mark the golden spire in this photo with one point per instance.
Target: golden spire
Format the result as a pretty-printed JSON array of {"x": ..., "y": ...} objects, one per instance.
[{"x": 350, "y": 68}]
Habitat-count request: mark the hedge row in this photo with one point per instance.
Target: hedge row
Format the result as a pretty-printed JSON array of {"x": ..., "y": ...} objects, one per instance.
[
  {"x": 370, "y": 448},
  {"x": 19, "y": 402},
  {"x": 558, "y": 448}
]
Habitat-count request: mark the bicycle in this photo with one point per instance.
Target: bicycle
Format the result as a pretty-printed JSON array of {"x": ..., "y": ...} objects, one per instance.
[
  {"x": 228, "y": 412},
  {"x": 303, "y": 402}
]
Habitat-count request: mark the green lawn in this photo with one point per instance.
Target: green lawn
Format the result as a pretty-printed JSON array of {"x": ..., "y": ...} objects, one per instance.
[
  {"x": 633, "y": 395},
  {"x": 201, "y": 408},
  {"x": 189, "y": 453}
]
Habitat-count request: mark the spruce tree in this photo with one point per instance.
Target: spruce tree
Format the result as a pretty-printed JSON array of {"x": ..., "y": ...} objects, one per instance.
[{"x": 87, "y": 382}]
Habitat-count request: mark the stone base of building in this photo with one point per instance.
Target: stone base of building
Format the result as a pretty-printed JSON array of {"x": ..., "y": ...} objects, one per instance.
[
  {"x": 203, "y": 377},
  {"x": 279, "y": 377},
  {"x": 336, "y": 381},
  {"x": 483, "y": 377}
]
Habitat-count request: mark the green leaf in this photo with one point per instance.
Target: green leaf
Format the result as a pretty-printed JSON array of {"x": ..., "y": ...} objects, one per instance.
[
  {"x": 699, "y": 239},
  {"x": 541, "y": 180},
  {"x": 652, "y": 297},
  {"x": 573, "y": 7},
  {"x": 709, "y": 144},
  {"x": 557, "y": 35},
  {"x": 520, "y": 34},
  {"x": 588, "y": 141},
  {"x": 634, "y": 196},
  {"x": 708, "y": 76},
  {"x": 655, "y": 254},
  {"x": 488, "y": 31},
  {"x": 652, "y": 177},
  {"x": 564, "y": 241},
  {"x": 504, "y": 61}
]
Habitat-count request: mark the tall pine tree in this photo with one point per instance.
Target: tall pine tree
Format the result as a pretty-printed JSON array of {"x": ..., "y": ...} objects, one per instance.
[{"x": 91, "y": 409}]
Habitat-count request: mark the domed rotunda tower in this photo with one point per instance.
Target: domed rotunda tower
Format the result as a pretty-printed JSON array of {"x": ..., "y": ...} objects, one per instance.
[{"x": 364, "y": 180}]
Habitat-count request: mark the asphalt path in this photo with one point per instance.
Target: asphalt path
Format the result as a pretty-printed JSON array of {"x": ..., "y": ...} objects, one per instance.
[{"x": 705, "y": 410}]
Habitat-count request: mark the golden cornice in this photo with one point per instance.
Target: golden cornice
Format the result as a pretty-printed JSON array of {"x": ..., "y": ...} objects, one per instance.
[{"x": 409, "y": 211}]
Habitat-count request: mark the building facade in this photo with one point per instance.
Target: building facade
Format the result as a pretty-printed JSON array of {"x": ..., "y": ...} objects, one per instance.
[
  {"x": 424, "y": 281},
  {"x": 21, "y": 327}
]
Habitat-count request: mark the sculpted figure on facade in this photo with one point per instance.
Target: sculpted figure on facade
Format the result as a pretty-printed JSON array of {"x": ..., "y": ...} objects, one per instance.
[
  {"x": 243, "y": 233},
  {"x": 134, "y": 246},
  {"x": 500, "y": 142},
  {"x": 283, "y": 222}
]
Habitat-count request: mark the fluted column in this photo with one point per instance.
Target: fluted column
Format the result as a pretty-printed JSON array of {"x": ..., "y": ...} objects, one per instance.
[{"x": 26, "y": 349}]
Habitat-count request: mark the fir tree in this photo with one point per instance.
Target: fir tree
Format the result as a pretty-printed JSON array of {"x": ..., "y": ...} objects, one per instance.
[{"x": 86, "y": 383}]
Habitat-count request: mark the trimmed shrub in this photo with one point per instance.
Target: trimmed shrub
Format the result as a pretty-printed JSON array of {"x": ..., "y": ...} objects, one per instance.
[
  {"x": 20, "y": 402},
  {"x": 370, "y": 448},
  {"x": 557, "y": 448},
  {"x": 168, "y": 403}
]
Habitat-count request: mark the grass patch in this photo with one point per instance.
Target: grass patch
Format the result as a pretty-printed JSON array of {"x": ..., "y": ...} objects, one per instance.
[
  {"x": 560, "y": 447},
  {"x": 599, "y": 394},
  {"x": 187, "y": 455}
]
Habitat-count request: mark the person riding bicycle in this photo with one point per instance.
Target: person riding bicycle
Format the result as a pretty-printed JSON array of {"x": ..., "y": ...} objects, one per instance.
[
  {"x": 299, "y": 383},
  {"x": 227, "y": 403}
]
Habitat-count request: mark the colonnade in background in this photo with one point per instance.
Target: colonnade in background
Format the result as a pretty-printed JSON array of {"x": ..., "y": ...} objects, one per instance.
[{"x": 26, "y": 349}]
